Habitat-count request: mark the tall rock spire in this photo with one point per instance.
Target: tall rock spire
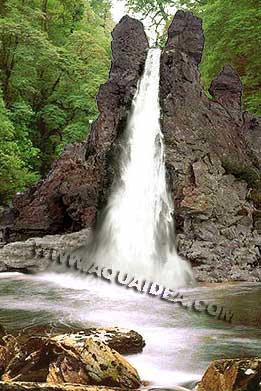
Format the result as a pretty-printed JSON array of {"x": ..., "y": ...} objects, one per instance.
[
  {"x": 186, "y": 35},
  {"x": 129, "y": 51},
  {"x": 226, "y": 88}
]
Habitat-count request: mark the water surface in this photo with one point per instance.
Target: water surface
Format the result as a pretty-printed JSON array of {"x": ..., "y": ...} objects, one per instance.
[{"x": 179, "y": 343}]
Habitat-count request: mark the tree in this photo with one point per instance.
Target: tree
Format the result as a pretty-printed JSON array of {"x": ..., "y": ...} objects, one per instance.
[
  {"x": 54, "y": 54},
  {"x": 14, "y": 171},
  {"x": 236, "y": 43}
]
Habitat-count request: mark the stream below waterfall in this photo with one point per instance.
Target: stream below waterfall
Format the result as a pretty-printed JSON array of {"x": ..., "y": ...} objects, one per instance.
[{"x": 179, "y": 343}]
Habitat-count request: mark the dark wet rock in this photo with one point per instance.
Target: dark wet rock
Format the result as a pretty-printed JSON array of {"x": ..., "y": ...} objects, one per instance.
[
  {"x": 42, "y": 359},
  {"x": 232, "y": 375},
  {"x": 79, "y": 182},
  {"x": 213, "y": 164}
]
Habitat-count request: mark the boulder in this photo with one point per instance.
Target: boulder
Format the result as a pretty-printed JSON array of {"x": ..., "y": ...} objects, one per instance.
[
  {"x": 102, "y": 365},
  {"x": 232, "y": 375},
  {"x": 122, "y": 340},
  {"x": 54, "y": 360},
  {"x": 36, "y": 254}
]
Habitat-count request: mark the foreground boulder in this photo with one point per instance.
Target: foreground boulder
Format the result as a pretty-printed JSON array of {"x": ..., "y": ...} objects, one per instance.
[
  {"x": 122, "y": 340},
  {"x": 103, "y": 366},
  {"x": 79, "y": 182},
  {"x": 213, "y": 155},
  {"x": 232, "y": 375},
  {"x": 89, "y": 362}
]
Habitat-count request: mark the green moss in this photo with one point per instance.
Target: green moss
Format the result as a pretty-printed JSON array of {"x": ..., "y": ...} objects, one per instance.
[{"x": 243, "y": 172}]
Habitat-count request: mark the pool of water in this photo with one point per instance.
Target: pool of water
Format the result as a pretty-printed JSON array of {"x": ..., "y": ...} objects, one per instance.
[{"x": 180, "y": 343}]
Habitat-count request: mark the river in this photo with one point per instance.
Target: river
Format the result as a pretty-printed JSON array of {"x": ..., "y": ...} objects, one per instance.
[{"x": 179, "y": 343}]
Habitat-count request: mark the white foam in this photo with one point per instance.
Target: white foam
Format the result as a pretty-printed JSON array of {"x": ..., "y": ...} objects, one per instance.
[{"x": 137, "y": 235}]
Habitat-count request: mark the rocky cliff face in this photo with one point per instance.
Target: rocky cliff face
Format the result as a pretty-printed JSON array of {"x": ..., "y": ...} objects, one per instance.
[
  {"x": 212, "y": 158},
  {"x": 79, "y": 182}
]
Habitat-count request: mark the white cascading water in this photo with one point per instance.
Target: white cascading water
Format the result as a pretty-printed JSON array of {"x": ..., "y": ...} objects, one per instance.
[{"x": 137, "y": 232}]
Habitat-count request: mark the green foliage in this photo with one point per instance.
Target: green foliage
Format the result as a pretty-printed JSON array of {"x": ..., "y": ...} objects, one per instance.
[
  {"x": 152, "y": 8},
  {"x": 232, "y": 32},
  {"x": 237, "y": 43},
  {"x": 54, "y": 54},
  {"x": 14, "y": 175}
]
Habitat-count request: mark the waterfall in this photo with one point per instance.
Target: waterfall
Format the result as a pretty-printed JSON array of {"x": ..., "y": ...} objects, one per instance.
[{"x": 136, "y": 234}]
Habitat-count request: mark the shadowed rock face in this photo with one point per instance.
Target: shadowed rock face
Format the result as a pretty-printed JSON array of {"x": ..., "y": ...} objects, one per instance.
[
  {"x": 79, "y": 181},
  {"x": 210, "y": 147}
]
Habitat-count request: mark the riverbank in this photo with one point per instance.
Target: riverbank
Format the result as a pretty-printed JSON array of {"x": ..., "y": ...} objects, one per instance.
[{"x": 35, "y": 254}]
